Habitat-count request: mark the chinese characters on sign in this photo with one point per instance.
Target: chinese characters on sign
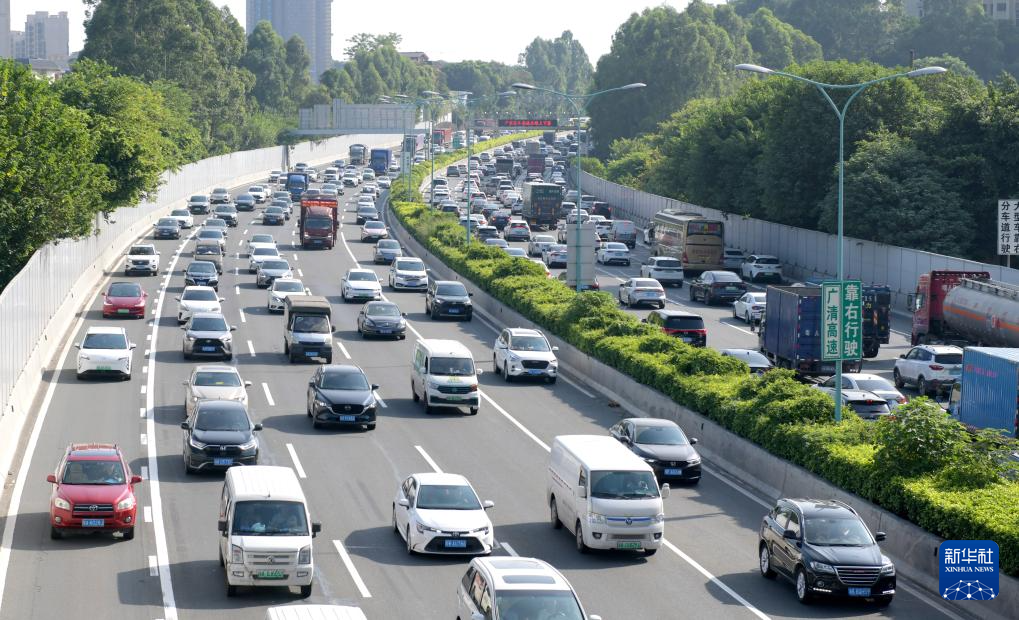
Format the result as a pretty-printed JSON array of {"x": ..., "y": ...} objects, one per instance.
[
  {"x": 968, "y": 570},
  {"x": 550, "y": 123},
  {"x": 1008, "y": 227},
  {"x": 841, "y": 326}
]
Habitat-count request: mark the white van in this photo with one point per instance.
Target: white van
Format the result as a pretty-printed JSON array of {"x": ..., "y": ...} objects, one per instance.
[
  {"x": 443, "y": 375},
  {"x": 314, "y": 612},
  {"x": 265, "y": 529},
  {"x": 605, "y": 494}
]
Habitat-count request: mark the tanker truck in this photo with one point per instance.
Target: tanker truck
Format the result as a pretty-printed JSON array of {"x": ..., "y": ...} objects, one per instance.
[{"x": 965, "y": 308}]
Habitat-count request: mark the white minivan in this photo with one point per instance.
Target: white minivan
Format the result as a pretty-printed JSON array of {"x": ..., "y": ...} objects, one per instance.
[
  {"x": 265, "y": 529},
  {"x": 606, "y": 495},
  {"x": 443, "y": 374}
]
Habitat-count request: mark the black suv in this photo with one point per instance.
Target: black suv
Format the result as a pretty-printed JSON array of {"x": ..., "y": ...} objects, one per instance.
[
  {"x": 715, "y": 286},
  {"x": 448, "y": 298},
  {"x": 826, "y": 550}
]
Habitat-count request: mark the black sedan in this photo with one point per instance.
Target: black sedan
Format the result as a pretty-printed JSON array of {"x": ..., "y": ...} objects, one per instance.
[
  {"x": 717, "y": 286},
  {"x": 167, "y": 228},
  {"x": 245, "y": 202},
  {"x": 218, "y": 435},
  {"x": 274, "y": 216},
  {"x": 381, "y": 318},
  {"x": 663, "y": 446},
  {"x": 341, "y": 395}
]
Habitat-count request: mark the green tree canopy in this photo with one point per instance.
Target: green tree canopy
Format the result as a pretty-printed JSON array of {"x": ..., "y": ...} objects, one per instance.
[{"x": 266, "y": 58}]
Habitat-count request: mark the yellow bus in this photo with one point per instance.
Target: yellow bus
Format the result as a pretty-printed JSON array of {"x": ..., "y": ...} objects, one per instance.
[{"x": 696, "y": 241}]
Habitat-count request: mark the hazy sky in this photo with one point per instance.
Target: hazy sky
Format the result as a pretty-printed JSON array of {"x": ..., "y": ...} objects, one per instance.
[{"x": 507, "y": 27}]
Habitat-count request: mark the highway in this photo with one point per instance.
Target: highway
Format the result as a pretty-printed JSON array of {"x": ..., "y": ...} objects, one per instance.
[{"x": 707, "y": 570}]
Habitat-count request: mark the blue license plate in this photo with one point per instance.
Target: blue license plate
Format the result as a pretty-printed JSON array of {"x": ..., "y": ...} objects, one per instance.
[
  {"x": 673, "y": 472},
  {"x": 456, "y": 543},
  {"x": 93, "y": 522},
  {"x": 534, "y": 372},
  {"x": 454, "y": 310},
  {"x": 310, "y": 353},
  {"x": 222, "y": 462},
  {"x": 385, "y": 331},
  {"x": 208, "y": 349},
  {"x": 347, "y": 418},
  {"x": 863, "y": 592}
]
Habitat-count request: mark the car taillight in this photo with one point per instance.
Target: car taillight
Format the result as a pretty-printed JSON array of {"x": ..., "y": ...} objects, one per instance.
[{"x": 937, "y": 367}]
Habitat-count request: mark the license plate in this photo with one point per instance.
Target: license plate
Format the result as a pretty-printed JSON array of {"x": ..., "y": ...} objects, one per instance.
[
  {"x": 955, "y": 372},
  {"x": 347, "y": 418},
  {"x": 385, "y": 331},
  {"x": 864, "y": 592},
  {"x": 93, "y": 522},
  {"x": 629, "y": 545},
  {"x": 104, "y": 368},
  {"x": 534, "y": 372},
  {"x": 453, "y": 398},
  {"x": 270, "y": 574},
  {"x": 673, "y": 472},
  {"x": 732, "y": 288},
  {"x": 122, "y": 310},
  {"x": 310, "y": 353},
  {"x": 222, "y": 462},
  {"x": 456, "y": 543},
  {"x": 454, "y": 310},
  {"x": 208, "y": 349},
  {"x": 686, "y": 339}
]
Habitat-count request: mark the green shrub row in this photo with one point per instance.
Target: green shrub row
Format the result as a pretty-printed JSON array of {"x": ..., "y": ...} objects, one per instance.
[{"x": 961, "y": 488}]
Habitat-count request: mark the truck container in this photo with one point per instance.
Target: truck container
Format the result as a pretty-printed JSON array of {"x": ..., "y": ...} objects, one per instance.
[
  {"x": 988, "y": 394},
  {"x": 876, "y": 316},
  {"x": 296, "y": 184},
  {"x": 533, "y": 147},
  {"x": 413, "y": 143},
  {"x": 536, "y": 163},
  {"x": 548, "y": 137},
  {"x": 931, "y": 319},
  {"x": 357, "y": 154},
  {"x": 459, "y": 139},
  {"x": 542, "y": 204},
  {"x": 318, "y": 226},
  {"x": 380, "y": 160},
  {"x": 790, "y": 335},
  {"x": 442, "y": 135},
  {"x": 504, "y": 165}
]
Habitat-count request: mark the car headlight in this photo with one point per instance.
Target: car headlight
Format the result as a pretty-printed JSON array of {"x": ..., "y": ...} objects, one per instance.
[
  {"x": 694, "y": 461},
  {"x": 126, "y": 504},
  {"x": 189, "y": 338},
  {"x": 236, "y": 555},
  {"x": 83, "y": 356},
  {"x": 304, "y": 557},
  {"x": 659, "y": 518},
  {"x": 433, "y": 385},
  {"x": 887, "y": 568},
  {"x": 424, "y": 528},
  {"x": 513, "y": 357},
  {"x": 594, "y": 517},
  {"x": 369, "y": 322},
  {"x": 648, "y": 460},
  {"x": 480, "y": 530},
  {"x": 61, "y": 503},
  {"x": 322, "y": 404},
  {"x": 226, "y": 339},
  {"x": 251, "y": 444},
  {"x": 821, "y": 567}
]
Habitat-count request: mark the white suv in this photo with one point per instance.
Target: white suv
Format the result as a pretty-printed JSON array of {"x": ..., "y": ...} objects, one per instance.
[
  {"x": 105, "y": 351},
  {"x": 932, "y": 368},
  {"x": 761, "y": 267},
  {"x": 665, "y": 269},
  {"x": 142, "y": 257},
  {"x": 520, "y": 352},
  {"x": 517, "y": 588}
]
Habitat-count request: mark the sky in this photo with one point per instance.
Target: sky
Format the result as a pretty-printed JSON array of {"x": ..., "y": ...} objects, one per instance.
[{"x": 476, "y": 31}]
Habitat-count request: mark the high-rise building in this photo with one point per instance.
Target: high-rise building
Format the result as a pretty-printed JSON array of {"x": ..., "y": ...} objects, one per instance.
[
  {"x": 18, "y": 47},
  {"x": 47, "y": 36},
  {"x": 309, "y": 19},
  {"x": 5, "y": 29}
]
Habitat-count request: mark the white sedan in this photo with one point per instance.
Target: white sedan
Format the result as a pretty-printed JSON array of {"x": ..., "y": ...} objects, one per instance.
[
  {"x": 536, "y": 246},
  {"x": 750, "y": 307},
  {"x": 261, "y": 241},
  {"x": 360, "y": 284},
  {"x": 613, "y": 252},
  {"x": 641, "y": 291},
  {"x": 260, "y": 193},
  {"x": 280, "y": 290},
  {"x": 105, "y": 351},
  {"x": 408, "y": 273},
  {"x": 259, "y": 256},
  {"x": 197, "y": 299},
  {"x": 184, "y": 217},
  {"x": 874, "y": 384},
  {"x": 441, "y": 513}
]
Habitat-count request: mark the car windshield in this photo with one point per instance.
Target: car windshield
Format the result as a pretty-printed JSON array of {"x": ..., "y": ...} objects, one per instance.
[
  {"x": 216, "y": 378},
  {"x": 265, "y": 252},
  {"x": 124, "y": 289},
  {"x": 207, "y": 248},
  {"x": 558, "y": 604},
  {"x": 447, "y": 497},
  {"x": 382, "y": 310},
  {"x": 767, "y": 260},
  {"x": 221, "y": 190},
  {"x": 529, "y": 343},
  {"x": 200, "y": 198},
  {"x": 660, "y": 436},
  {"x": 209, "y": 324},
  {"x": 202, "y": 267},
  {"x": 389, "y": 244},
  {"x": 623, "y": 484},
  {"x": 410, "y": 265},
  {"x": 374, "y": 225},
  {"x": 668, "y": 263},
  {"x": 93, "y": 472},
  {"x": 451, "y": 366},
  {"x": 948, "y": 358},
  {"x": 270, "y": 518},
  {"x": 167, "y": 221},
  {"x": 451, "y": 290},
  {"x": 104, "y": 341},
  {"x": 344, "y": 381},
  {"x": 318, "y": 223},
  {"x": 180, "y": 212},
  {"x": 276, "y": 264},
  {"x": 199, "y": 295},
  {"x": 362, "y": 276},
  {"x": 836, "y": 532},
  {"x": 752, "y": 358},
  {"x": 311, "y": 324},
  {"x": 261, "y": 239},
  {"x": 516, "y": 252},
  {"x": 210, "y": 234},
  {"x": 874, "y": 384},
  {"x": 288, "y": 286},
  {"x": 218, "y": 418},
  {"x": 143, "y": 250},
  {"x": 274, "y": 210},
  {"x": 615, "y": 246}
]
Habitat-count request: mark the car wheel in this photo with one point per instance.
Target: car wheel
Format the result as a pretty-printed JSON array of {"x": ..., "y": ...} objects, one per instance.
[
  {"x": 897, "y": 379},
  {"x": 921, "y": 385},
  {"x": 231, "y": 590},
  {"x": 553, "y": 515},
  {"x": 187, "y": 467},
  {"x": 410, "y": 547},
  {"x": 734, "y": 311},
  {"x": 306, "y": 591},
  {"x": 627, "y": 263},
  {"x": 470, "y": 315},
  {"x": 286, "y": 347},
  {"x": 746, "y": 317},
  {"x": 55, "y": 534},
  {"x": 661, "y": 305},
  {"x": 579, "y": 538},
  {"x": 328, "y": 359},
  {"x": 128, "y": 534},
  {"x": 505, "y": 373},
  {"x": 551, "y": 380},
  {"x": 802, "y": 593},
  {"x": 765, "y": 562},
  {"x": 221, "y": 562},
  {"x": 79, "y": 376},
  {"x": 692, "y": 294}
]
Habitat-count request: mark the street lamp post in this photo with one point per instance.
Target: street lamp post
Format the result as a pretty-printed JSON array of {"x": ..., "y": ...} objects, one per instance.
[
  {"x": 403, "y": 142},
  {"x": 579, "y": 102},
  {"x": 855, "y": 89}
]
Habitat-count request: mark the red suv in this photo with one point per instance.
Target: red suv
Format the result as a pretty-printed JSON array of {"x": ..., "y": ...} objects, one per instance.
[{"x": 93, "y": 490}]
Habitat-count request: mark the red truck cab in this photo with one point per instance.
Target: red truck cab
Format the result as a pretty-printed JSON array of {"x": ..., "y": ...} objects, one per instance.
[
  {"x": 319, "y": 223},
  {"x": 927, "y": 304}
]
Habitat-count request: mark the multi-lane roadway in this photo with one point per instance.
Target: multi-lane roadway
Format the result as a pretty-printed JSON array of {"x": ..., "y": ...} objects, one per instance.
[{"x": 707, "y": 570}]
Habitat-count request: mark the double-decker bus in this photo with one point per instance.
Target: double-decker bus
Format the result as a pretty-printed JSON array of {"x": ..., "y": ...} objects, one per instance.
[{"x": 696, "y": 241}]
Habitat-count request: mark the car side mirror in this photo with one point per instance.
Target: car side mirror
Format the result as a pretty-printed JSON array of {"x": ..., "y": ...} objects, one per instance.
[
  {"x": 902, "y": 356},
  {"x": 477, "y": 615},
  {"x": 133, "y": 346},
  {"x": 183, "y": 326},
  {"x": 555, "y": 349},
  {"x": 789, "y": 535},
  {"x": 222, "y": 298},
  {"x": 693, "y": 441},
  {"x": 51, "y": 478},
  {"x": 403, "y": 502},
  {"x": 880, "y": 536},
  {"x": 135, "y": 479},
  {"x": 178, "y": 298},
  {"x": 403, "y": 314},
  {"x": 479, "y": 372},
  {"x": 221, "y": 525},
  {"x": 247, "y": 384},
  {"x": 257, "y": 426},
  {"x": 316, "y": 527},
  {"x": 487, "y": 504},
  {"x": 374, "y": 387},
  {"x": 470, "y": 294},
  {"x": 233, "y": 328},
  {"x": 77, "y": 345},
  {"x": 666, "y": 491}
]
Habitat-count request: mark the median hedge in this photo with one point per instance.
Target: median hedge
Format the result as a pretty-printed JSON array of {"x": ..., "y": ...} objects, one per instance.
[{"x": 967, "y": 492}]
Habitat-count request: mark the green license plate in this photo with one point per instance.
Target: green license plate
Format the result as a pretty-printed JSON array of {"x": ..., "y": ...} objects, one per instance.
[
  {"x": 270, "y": 574},
  {"x": 104, "y": 368},
  {"x": 122, "y": 310},
  {"x": 629, "y": 545},
  {"x": 453, "y": 398}
]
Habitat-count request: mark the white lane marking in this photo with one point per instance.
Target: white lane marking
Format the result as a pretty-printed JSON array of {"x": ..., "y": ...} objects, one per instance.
[
  {"x": 343, "y": 349},
  {"x": 297, "y": 461},
  {"x": 297, "y": 256},
  {"x": 363, "y": 589},
  {"x": 745, "y": 331},
  {"x": 347, "y": 246},
  {"x": 145, "y": 369},
  {"x": 742, "y": 601},
  {"x": 148, "y": 337},
  {"x": 610, "y": 274},
  {"x": 300, "y": 273},
  {"x": 268, "y": 396},
  {"x": 144, "y": 388},
  {"x": 6, "y": 543},
  {"x": 245, "y": 231},
  {"x": 237, "y": 289},
  {"x": 147, "y": 514},
  {"x": 435, "y": 467},
  {"x": 251, "y": 349},
  {"x": 381, "y": 402},
  {"x": 243, "y": 319},
  {"x": 577, "y": 386},
  {"x": 509, "y": 550},
  {"x": 144, "y": 472},
  {"x": 144, "y": 439},
  {"x": 515, "y": 422},
  {"x": 146, "y": 354},
  {"x": 153, "y": 566},
  {"x": 142, "y": 412}
]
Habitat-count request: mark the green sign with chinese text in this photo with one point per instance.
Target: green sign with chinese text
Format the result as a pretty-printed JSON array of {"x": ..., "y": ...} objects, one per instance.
[{"x": 841, "y": 324}]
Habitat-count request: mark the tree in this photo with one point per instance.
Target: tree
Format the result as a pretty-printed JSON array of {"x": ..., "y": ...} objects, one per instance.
[
  {"x": 560, "y": 64},
  {"x": 266, "y": 59},
  {"x": 366, "y": 43},
  {"x": 298, "y": 64},
  {"x": 958, "y": 28},
  {"x": 339, "y": 84},
  {"x": 776, "y": 44}
]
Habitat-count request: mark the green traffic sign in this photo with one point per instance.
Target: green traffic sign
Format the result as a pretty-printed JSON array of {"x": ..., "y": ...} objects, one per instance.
[{"x": 842, "y": 320}]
